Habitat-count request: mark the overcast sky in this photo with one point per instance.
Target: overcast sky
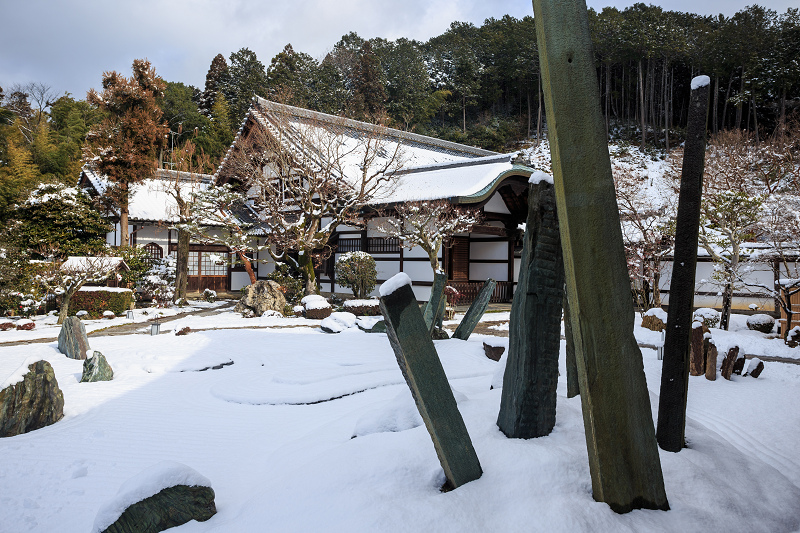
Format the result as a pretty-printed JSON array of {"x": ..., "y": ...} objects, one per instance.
[{"x": 67, "y": 44}]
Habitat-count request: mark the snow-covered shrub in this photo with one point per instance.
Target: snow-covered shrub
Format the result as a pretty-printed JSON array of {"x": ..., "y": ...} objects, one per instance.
[
  {"x": 159, "y": 282},
  {"x": 316, "y": 307},
  {"x": 761, "y": 322},
  {"x": 357, "y": 272},
  {"x": 98, "y": 301},
  {"x": 109, "y": 315},
  {"x": 709, "y": 317},
  {"x": 338, "y": 322},
  {"x": 363, "y": 307},
  {"x": 291, "y": 286},
  {"x": 793, "y": 337},
  {"x": 209, "y": 295},
  {"x": 26, "y": 325},
  {"x": 82, "y": 314}
]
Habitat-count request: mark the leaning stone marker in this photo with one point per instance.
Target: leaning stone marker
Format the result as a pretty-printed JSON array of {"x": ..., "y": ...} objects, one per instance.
[
  {"x": 728, "y": 362},
  {"x": 411, "y": 341},
  {"x": 72, "y": 339},
  {"x": 528, "y": 403},
  {"x": 620, "y": 437},
  {"x": 166, "y": 495},
  {"x": 96, "y": 368},
  {"x": 32, "y": 402},
  {"x": 435, "y": 306},
  {"x": 475, "y": 311}
]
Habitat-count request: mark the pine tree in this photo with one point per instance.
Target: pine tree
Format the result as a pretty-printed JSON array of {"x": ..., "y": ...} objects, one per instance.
[
  {"x": 369, "y": 89},
  {"x": 246, "y": 79},
  {"x": 216, "y": 78},
  {"x": 124, "y": 147}
]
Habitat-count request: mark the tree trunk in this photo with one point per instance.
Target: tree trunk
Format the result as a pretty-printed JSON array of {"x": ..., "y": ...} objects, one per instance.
[
  {"x": 65, "y": 301},
  {"x": 739, "y": 105},
  {"x": 782, "y": 116},
  {"x": 182, "y": 265},
  {"x": 755, "y": 119},
  {"x": 248, "y": 266},
  {"x": 675, "y": 368},
  {"x": 306, "y": 264},
  {"x": 464, "y": 113},
  {"x": 727, "y": 299},
  {"x": 539, "y": 118},
  {"x": 642, "y": 113},
  {"x": 725, "y": 104},
  {"x": 124, "y": 240},
  {"x": 714, "y": 125}
]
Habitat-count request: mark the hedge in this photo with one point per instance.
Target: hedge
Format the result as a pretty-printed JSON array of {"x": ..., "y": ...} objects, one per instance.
[{"x": 95, "y": 300}]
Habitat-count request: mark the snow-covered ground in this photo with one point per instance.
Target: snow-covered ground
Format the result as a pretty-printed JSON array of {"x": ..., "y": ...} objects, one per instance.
[{"x": 273, "y": 432}]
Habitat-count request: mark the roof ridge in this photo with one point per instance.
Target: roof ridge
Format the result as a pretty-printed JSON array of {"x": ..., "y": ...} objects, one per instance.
[{"x": 366, "y": 126}]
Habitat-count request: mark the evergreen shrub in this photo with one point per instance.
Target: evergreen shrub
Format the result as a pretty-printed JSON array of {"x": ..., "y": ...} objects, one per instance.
[
  {"x": 291, "y": 286},
  {"x": 97, "y": 300},
  {"x": 357, "y": 272}
]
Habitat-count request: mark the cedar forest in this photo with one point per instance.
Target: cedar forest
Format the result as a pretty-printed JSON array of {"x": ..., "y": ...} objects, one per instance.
[{"x": 473, "y": 85}]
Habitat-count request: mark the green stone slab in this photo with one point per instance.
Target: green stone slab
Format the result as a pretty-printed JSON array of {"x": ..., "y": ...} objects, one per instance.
[
  {"x": 620, "y": 437},
  {"x": 528, "y": 400},
  {"x": 435, "y": 306},
  {"x": 411, "y": 341},
  {"x": 475, "y": 311}
]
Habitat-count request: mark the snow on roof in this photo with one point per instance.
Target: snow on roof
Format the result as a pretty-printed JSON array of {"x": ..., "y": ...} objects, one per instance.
[
  {"x": 83, "y": 263},
  {"x": 425, "y": 168},
  {"x": 152, "y": 200},
  {"x": 470, "y": 179}
]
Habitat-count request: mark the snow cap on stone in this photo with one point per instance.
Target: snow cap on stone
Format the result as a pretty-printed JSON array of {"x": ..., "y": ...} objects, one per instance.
[
  {"x": 700, "y": 81},
  {"x": 394, "y": 283}
]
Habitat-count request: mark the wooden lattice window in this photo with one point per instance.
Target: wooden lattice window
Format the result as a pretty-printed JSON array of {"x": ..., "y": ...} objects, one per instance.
[{"x": 154, "y": 252}]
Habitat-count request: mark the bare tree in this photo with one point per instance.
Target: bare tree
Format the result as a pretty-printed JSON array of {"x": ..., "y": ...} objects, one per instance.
[
  {"x": 64, "y": 279},
  {"x": 648, "y": 232},
  {"x": 183, "y": 186},
  {"x": 218, "y": 215},
  {"x": 306, "y": 177},
  {"x": 428, "y": 224}
]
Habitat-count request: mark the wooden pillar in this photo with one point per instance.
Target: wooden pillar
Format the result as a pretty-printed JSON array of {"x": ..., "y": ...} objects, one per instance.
[
  {"x": 620, "y": 437},
  {"x": 675, "y": 368}
]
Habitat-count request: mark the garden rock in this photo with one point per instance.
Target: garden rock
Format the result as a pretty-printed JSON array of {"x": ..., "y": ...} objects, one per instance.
[
  {"x": 31, "y": 403},
  {"x": 5, "y": 326},
  {"x": 109, "y": 315},
  {"x": 174, "y": 494},
  {"x": 760, "y": 322},
  {"x": 655, "y": 319},
  {"x": 261, "y": 296},
  {"x": 72, "y": 339},
  {"x": 754, "y": 367},
  {"x": 493, "y": 352},
  {"x": 183, "y": 331},
  {"x": 96, "y": 368},
  {"x": 727, "y": 363}
]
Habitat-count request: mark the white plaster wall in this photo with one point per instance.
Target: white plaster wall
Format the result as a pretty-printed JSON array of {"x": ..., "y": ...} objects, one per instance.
[
  {"x": 239, "y": 280},
  {"x": 488, "y": 250},
  {"x": 496, "y": 205},
  {"x": 483, "y": 271},
  {"x": 418, "y": 252},
  {"x": 387, "y": 269},
  {"x": 418, "y": 270}
]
